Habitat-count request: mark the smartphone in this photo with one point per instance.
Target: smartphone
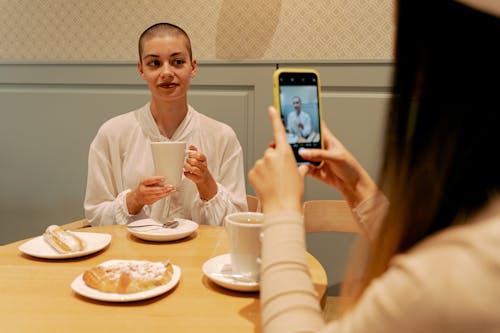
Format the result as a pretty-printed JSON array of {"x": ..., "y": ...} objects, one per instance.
[{"x": 297, "y": 99}]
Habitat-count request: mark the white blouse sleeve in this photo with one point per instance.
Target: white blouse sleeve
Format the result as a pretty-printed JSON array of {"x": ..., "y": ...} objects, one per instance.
[
  {"x": 231, "y": 192},
  {"x": 104, "y": 203}
]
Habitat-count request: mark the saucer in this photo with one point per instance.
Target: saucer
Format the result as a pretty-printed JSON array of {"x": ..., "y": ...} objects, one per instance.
[
  {"x": 157, "y": 233},
  {"x": 218, "y": 270}
]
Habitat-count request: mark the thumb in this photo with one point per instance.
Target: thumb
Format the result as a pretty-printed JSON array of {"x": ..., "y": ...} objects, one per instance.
[
  {"x": 303, "y": 170},
  {"x": 315, "y": 155}
]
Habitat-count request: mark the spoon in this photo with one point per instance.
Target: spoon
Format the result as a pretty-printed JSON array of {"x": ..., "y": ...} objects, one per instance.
[
  {"x": 236, "y": 277},
  {"x": 170, "y": 224}
]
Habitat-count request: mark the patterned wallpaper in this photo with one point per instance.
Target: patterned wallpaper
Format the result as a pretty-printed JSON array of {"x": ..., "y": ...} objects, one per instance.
[{"x": 107, "y": 30}]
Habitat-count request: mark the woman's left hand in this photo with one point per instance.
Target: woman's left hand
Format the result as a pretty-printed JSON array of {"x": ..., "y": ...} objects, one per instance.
[{"x": 196, "y": 169}]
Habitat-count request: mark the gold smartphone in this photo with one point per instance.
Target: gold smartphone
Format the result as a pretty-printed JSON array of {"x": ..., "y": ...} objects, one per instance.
[{"x": 297, "y": 99}]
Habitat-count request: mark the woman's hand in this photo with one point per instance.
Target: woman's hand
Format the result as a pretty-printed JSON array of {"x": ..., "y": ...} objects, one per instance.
[
  {"x": 275, "y": 177},
  {"x": 340, "y": 169},
  {"x": 149, "y": 191},
  {"x": 196, "y": 170}
]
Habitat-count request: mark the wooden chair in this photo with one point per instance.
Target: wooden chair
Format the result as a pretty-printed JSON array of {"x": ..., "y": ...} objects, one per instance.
[
  {"x": 333, "y": 306},
  {"x": 253, "y": 203},
  {"x": 83, "y": 223},
  {"x": 329, "y": 215}
]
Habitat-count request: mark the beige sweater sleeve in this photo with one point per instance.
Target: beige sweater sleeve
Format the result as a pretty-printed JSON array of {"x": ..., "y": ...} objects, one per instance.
[
  {"x": 370, "y": 213},
  {"x": 447, "y": 283},
  {"x": 288, "y": 299}
]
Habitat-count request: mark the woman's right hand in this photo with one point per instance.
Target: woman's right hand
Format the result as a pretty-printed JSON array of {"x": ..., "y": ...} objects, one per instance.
[
  {"x": 149, "y": 191},
  {"x": 340, "y": 169},
  {"x": 277, "y": 181}
]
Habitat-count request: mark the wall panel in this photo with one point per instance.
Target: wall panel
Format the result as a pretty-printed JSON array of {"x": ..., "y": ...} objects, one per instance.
[{"x": 49, "y": 114}]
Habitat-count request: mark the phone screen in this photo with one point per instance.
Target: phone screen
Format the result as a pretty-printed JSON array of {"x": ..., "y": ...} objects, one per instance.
[{"x": 299, "y": 104}]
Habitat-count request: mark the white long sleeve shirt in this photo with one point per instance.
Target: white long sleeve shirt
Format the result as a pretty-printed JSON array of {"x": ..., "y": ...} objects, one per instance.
[
  {"x": 449, "y": 282},
  {"x": 120, "y": 156},
  {"x": 293, "y": 121}
]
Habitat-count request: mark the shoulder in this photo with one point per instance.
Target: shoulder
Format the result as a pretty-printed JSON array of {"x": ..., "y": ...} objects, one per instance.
[
  {"x": 448, "y": 282},
  {"x": 478, "y": 238},
  {"x": 116, "y": 133},
  {"x": 214, "y": 128},
  {"x": 118, "y": 126},
  {"x": 456, "y": 272}
]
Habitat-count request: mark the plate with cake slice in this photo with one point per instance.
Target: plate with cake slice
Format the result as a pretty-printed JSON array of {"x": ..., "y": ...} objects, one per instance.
[{"x": 69, "y": 244}]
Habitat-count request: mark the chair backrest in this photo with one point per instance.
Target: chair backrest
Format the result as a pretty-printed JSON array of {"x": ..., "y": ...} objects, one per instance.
[
  {"x": 329, "y": 215},
  {"x": 83, "y": 223},
  {"x": 253, "y": 203}
]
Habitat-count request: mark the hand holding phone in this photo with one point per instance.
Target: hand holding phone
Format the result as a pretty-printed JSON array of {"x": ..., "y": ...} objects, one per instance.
[{"x": 297, "y": 99}]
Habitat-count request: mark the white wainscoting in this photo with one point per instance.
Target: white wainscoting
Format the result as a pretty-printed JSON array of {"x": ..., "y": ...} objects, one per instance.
[{"x": 49, "y": 114}]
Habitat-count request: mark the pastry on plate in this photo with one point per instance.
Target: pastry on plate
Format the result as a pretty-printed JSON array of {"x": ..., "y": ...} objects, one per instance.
[
  {"x": 128, "y": 276},
  {"x": 63, "y": 241}
]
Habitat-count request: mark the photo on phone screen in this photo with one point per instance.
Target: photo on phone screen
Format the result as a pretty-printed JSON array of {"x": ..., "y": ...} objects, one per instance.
[{"x": 299, "y": 105}]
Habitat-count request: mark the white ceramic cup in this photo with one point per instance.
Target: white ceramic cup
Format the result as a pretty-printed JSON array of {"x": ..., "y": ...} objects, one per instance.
[
  {"x": 243, "y": 230},
  {"x": 169, "y": 160}
]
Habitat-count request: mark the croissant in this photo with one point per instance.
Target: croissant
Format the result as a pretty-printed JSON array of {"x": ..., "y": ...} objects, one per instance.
[{"x": 128, "y": 276}]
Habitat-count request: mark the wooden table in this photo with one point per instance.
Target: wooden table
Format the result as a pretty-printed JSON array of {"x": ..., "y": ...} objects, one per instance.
[{"x": 36, "y": 295}]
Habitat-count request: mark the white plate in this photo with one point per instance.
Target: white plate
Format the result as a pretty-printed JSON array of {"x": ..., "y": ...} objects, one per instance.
[
  {"x": 38, "y": 247},
  {"x": 159, "y": 234},
  {"x": 218, "y": 270},
  {"x": 79, "y": 286}
]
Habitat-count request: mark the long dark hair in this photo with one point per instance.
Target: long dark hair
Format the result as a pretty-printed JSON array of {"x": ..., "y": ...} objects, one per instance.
[{"x": 440, "y": 164}]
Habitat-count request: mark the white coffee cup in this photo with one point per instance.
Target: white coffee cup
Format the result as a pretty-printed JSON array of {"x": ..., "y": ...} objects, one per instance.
[
  {"x": 169, "y": 160},
  {"x": 243, "y": 230}
]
